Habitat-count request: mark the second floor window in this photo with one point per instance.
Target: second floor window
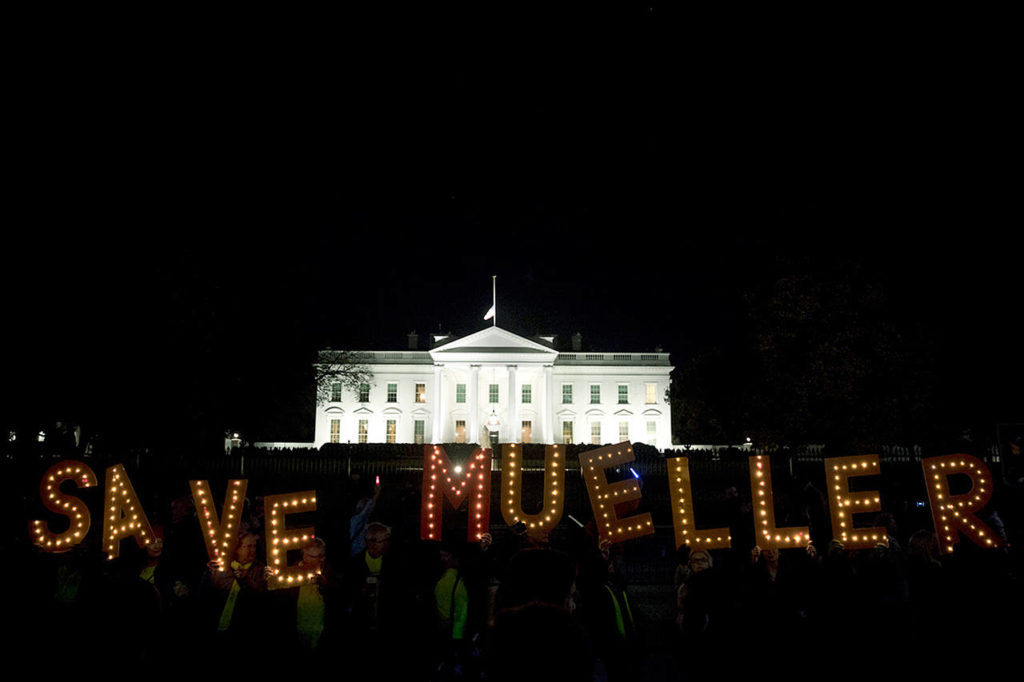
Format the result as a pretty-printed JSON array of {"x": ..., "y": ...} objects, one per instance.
[
  {"x": 364, "y": 393},
  {"x": 336, "y": 392},
  {"x": 460, "y": 393},
  {"x": 595, "y": 394},
  {"x": 392, "y": 393},
  {"x": 492, "y": 394},
  {"x": 527, "y": 394},
  {"x": 421, "y": 393}
]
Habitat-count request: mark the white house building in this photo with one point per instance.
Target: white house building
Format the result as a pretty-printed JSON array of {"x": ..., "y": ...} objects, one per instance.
[{"x": 496, "y": 382}]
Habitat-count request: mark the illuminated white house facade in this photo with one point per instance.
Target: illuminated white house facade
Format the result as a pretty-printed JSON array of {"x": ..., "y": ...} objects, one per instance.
[{"x": 494, "y": 381}]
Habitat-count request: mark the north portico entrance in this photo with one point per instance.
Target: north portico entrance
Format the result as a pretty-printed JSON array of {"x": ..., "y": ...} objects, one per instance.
[{"x": 494, "y": 375}]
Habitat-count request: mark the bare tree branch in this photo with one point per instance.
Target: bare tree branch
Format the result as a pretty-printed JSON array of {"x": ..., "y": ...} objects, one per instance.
[{"x": 344, "y": 367}]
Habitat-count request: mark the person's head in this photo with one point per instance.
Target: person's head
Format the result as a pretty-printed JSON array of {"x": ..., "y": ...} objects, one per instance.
[
  {"x": 155, "y": 548},
  {"x": 770, "y": 556},
  {"x": 246, "y": 550},
  {"x": 377, "y": 538},
  {"x": 314, "y": 553},
  {"x": 699, "y": 561}
]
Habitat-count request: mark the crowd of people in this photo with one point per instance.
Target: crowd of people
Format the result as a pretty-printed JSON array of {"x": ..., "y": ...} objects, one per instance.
[{"x": 518, "y": 605}]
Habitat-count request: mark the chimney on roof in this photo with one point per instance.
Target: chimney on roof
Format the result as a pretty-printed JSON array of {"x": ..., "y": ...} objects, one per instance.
[
  {"x": 577, "y": 342},
  {"x": 414, "y": 340}
]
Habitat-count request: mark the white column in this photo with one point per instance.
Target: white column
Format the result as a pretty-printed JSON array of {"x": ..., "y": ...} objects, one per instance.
[
  {"x": 514, "y": 432},
  {"x": 436, "y": 435},
  {"x": 548, "y": 416},
  {"x": 473, "y": 432}
]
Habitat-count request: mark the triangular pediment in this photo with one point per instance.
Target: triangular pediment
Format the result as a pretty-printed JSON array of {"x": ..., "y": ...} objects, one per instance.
[{"x": 493, "y": 340}]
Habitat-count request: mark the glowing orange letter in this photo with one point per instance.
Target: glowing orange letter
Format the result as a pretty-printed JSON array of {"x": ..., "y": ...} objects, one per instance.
[
  {"x": 512, "y": 488},
  {"x": 280, "y": 539},
  {"x": 123, "y": 516},
  {"x": 604, "y": 495},
  {"x": 951, "y": 513},
  {"x": 844, "y": 503},
  {"x": 71, "y": 507},
  {"x": 682, "y": 511},
  {"x": 766, "y": 534},
  {"x": 439, "y": 476},
  {"x": 220, "y": 536}
]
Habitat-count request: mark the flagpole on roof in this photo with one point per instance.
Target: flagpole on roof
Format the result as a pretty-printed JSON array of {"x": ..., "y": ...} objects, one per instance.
[{"x": 492, "y": 314}]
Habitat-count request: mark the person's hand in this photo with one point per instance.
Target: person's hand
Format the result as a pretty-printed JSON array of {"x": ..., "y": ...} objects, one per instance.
[
  {"x": 269, "y": 571},
  {"x": 755, "y": 554},
  {"x": 485, "y": 542},
  {"x": 215, "y": 565},
  {"x": 812, "y": 551},
  {"x": 605, "y": 547}
]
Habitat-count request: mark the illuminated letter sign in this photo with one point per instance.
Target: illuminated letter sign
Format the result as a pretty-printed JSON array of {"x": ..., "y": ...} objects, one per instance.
[
  {"x": 442, "y": 481},
  {"x": 220, "y": 536},
  {"x": 280, "y": 539},
  {"x": 604, "y": 495},
  {"x": 123, "y": 516},
  {"x": 951, "y": 513},
  {"x": 682, "y": 511},
  {"x": 766, "y": 535},
  {"x": 72, "y": 507},
  {"x": 512, "y": 488},
  {"x": 844, "y": 503}
]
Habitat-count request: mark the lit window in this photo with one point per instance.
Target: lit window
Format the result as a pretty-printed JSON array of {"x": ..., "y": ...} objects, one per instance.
[
  {"x": 335, "y": 430},
  {"x": 623, "y": 394},
  {"x": 460, "y": 430},
  {"x": 652, "y": 394},
  {"x": 392, "y": 393},
  {"x": 595, "y": 433},
  {"x": 421, "y": 393},
  {"x": 364, "y": 430},
  {"x": 595, "y": 394},
  {"x": 527, "y": 431},
  {"x": 567, "y": 433},
  {"x": 623, "y": 431},
  {"x": 652, "y": 433},
  {"x": 392, "y": 428},
  {"x": 336, "y": 392},
  {"x": 417, "y": 427},
  {"x": 527, "y": 394},
  {"x": 364, "y": 393},
  {"x": 567, "y": 394},
  {"x": 460, "y": 393},
  {"x": 493, "y": 393}
]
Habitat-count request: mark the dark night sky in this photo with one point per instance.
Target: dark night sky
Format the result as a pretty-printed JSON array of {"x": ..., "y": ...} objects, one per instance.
[{"x": 192, "y": 212}]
